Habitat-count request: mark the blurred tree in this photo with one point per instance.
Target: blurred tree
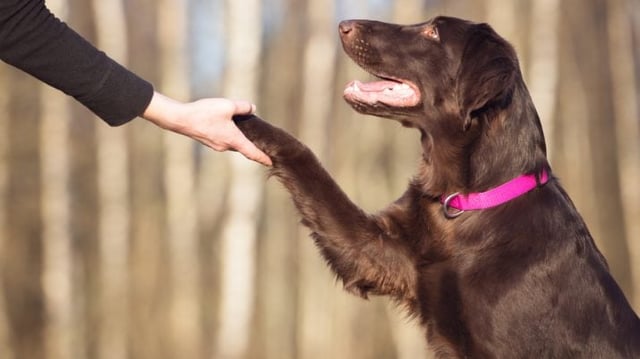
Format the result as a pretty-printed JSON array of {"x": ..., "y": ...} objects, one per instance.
[
  {"x": 148, "y": 294},
  {"x": 238, "y": 254},
  {"x": 625, "y": 74},
  {"x": 84, "y": 203},
  {"x": 113, "y": 191},
  {"x": 61, "y": 332},
  {"x": 22, "y": 252},
  {"x": 587, "y": 162},
  {"x": 279, "y": 317},
  {"x": 179, "y": 179},
  {"x": 5, "y": 333},
  {"x": 542, "y": 69}
]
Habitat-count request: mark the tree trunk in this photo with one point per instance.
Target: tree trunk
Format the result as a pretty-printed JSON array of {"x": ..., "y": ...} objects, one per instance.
[
  {"x": 113, "y": 191},
  {"x": 182, "y": 225},
  {"x": 590, "y": 169},
  {"x": 624, "y": 74},
  {"x": 5, "y": 337},
  {"x": 22, "y": 255},
  {"x": 56, "y": 236},
  {"x": 213, "y": 168},
  {"x": 542, "y": 72},
  {"x": 148, "y": 294},
  {"x": 238, "y": 253},
  {"x": 84, "y": 203},
  {"x": 278, "y": 334}
]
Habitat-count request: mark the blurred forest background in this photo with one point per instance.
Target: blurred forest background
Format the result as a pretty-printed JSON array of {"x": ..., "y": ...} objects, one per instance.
[{"x": 133, "y": 242}]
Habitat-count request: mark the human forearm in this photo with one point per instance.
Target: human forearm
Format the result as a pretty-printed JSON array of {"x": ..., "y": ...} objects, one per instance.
[{"x": 35, "y": 41}]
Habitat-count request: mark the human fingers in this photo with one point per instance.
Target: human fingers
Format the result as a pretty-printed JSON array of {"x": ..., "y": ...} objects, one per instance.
[{"x": 243, "y": 107}]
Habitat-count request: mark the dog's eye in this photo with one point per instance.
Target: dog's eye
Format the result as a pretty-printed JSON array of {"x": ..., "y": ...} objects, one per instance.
[{"x": 431, "y": 32}]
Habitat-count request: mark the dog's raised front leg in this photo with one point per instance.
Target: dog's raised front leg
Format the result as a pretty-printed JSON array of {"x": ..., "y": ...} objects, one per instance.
[{"x": 369, "y": 253}]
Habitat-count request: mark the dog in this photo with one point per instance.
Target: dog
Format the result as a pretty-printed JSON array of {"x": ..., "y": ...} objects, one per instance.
[{"x": 484, "y": 248}]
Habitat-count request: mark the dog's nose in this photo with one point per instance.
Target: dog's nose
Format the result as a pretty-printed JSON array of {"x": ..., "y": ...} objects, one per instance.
[{"x": 346, "y": 27}]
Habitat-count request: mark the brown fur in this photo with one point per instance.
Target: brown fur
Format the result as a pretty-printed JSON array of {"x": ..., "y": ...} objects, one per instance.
[{"x": 522, "y": 280}]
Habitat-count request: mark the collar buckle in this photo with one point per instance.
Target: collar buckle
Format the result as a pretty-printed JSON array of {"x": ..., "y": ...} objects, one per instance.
[{"x": 446, "y": 208}]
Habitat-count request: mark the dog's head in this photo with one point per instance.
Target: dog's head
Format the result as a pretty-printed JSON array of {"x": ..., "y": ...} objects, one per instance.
[
  {"x": 443, "y": 66},
  {"x": 450, "y": 78}
]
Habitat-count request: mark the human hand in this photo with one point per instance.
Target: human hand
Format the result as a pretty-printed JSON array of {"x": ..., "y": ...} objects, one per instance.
[{"x": 208, "y": 121}]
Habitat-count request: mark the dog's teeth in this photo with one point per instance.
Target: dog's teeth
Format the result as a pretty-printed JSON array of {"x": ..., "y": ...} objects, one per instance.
[
  {"x": 399, "y": 90},
  {"x": 355, "y": 87}
]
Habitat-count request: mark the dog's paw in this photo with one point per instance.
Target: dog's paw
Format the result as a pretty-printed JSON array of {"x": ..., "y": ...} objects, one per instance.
[
  {"x": 258, "y": 131},
  {"x": 275, "y": 142}
]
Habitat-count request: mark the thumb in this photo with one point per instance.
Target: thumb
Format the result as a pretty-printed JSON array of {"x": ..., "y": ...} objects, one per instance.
[
  {"x": 241, "y": 144},
  {"x": 243, "y": 107},
  {"x": 250, "y": 151}
]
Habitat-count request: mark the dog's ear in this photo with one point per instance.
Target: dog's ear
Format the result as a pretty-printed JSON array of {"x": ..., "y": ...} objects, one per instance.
[{"x": 487, "y": 73}]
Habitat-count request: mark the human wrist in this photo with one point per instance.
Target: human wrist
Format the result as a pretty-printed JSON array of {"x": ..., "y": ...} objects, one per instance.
[{"x": 164, "y": 112}]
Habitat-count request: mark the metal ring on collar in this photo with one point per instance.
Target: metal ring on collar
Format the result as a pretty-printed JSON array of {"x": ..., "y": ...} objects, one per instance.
[{"x": 446, "y": 209}]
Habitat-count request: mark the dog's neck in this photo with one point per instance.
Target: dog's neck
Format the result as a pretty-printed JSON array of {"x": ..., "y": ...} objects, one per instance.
[
  {"x": 507, "y": 144},
  {"x": 511, "y": 144}
]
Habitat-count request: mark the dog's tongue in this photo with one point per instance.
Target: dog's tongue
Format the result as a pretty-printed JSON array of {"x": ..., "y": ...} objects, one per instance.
[
  {"x": 374, "y": 86},
  {"x": 388, "y": 92}
]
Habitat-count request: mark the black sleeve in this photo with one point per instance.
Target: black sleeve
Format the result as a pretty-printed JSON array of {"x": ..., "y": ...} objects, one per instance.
[{"x": 35, "y": 41}]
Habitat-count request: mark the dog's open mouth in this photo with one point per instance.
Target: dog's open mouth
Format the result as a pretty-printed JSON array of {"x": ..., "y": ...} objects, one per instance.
[{"x": 388, "y": 91}]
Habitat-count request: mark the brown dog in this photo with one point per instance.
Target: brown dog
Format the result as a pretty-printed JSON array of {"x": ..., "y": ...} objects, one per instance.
[{"x": 515, "y": 275}]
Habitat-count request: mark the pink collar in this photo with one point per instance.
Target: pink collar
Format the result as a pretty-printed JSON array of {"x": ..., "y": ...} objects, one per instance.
[{"x": 493, "y": 197}]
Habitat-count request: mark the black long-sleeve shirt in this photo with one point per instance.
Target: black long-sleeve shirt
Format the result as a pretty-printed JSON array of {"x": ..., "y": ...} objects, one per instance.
[{"x": 35, "y": 41}]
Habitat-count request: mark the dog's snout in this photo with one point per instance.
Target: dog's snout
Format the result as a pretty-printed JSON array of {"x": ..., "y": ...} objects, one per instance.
[{"x": 346, "y": 27}]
